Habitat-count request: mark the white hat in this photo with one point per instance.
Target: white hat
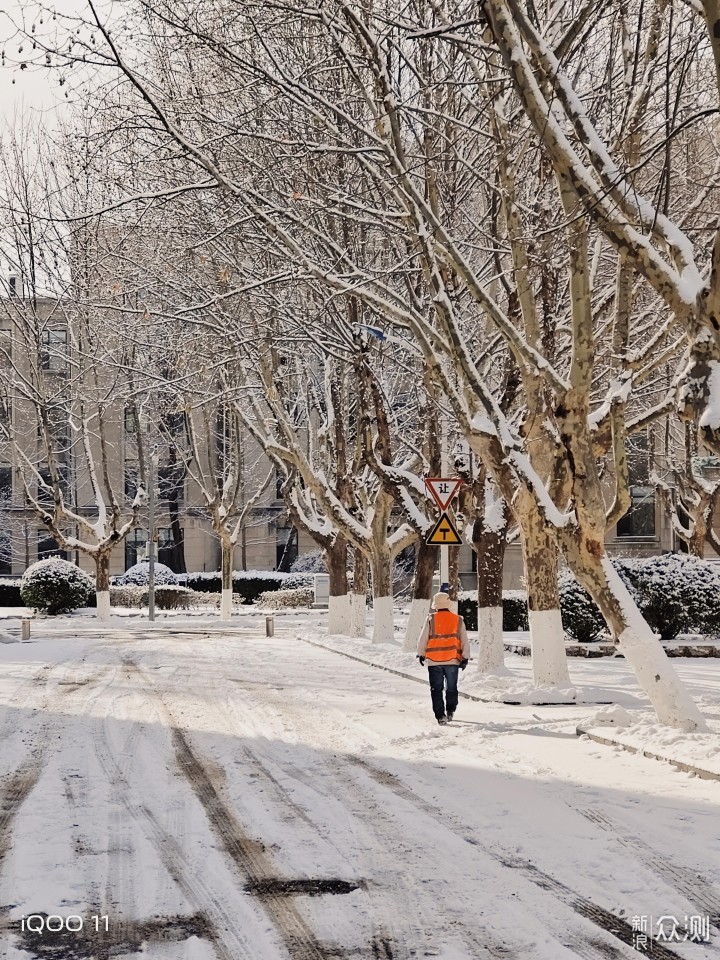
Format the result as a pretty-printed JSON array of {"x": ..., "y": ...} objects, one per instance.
[{"x": 441, "y": 601}]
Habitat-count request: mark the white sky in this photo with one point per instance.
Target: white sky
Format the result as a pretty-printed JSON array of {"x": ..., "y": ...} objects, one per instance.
[{"x": 33, "y": 89}]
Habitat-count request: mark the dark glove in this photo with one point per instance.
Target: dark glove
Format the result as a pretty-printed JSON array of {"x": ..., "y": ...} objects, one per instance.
[
  {"x": 463, "y": 664},
  {"x": 422, "y": 661}
]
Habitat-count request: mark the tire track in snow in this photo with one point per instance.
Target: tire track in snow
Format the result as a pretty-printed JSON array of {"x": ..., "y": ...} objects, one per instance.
[
  {"x": 698, "y": 889},
  {"x": 223, "y": 930},
  {"x": 604, "y": 919},
  {"x": 590, "y": 948},
  {"x": 329, "y": 780},
  {"x": 249, "y": 856}
]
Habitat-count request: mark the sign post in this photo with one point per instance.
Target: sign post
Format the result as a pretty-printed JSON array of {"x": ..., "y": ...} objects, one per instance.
[{"x": 444, "y": 533}]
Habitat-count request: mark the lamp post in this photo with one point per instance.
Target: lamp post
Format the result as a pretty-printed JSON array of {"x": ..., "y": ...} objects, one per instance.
[
  {"x": 151, "y": 535},
  {"x": 152, "y": 471}
]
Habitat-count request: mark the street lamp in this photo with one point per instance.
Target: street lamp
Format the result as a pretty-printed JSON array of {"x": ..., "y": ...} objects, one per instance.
[{"x": 152, "y": 474}]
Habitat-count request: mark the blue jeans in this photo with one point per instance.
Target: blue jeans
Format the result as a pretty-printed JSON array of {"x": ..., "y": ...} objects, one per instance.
[{"x": 440, "y": 675}]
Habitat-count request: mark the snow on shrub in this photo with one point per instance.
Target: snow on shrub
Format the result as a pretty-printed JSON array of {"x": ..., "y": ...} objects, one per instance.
[
  {"x": 284, "y": 599},
  {"x": 248, "y": 584},
  {"x": 515, "y": 614},
  {"x": 167, "y": 596},
  {"x": 313, "y": 562},
  {"x": 10, "y": 593},
  {"x": 515, "y": 611},
  {"x": 296, "y": 581},
  {"x": 666, "y": 595},
  {"x": 581, "y": 618},
  {"x": 56, "y": 586},
  {"x": 139, "y": 575}
]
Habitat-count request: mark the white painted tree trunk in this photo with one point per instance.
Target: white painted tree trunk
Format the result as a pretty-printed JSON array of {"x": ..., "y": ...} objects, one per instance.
[
  {"x": 358, "y": 610},
  {"x": 102, "y": 600},
  {"x": 340, "y": 615},
  {"x": 548, "y": 649},
  {"x": 645, "y": 654},
  {"x": 491, "y": 652},
  {"x": 419, "y": 610},
  {"x": 383, "y": 624},
  {"x": 226, "y": 604}
]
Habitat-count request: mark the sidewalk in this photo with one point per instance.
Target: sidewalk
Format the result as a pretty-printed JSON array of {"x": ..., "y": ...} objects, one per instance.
[{"x": 697, "y": 753}]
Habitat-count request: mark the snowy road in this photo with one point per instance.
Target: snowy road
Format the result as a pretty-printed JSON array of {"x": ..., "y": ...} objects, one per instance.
[{"x": 249, "y": 799}]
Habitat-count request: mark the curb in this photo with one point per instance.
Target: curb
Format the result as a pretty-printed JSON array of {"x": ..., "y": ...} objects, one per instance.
[
  {"x": 679, "y": 764},
  {"x": 407, "y": 676}
]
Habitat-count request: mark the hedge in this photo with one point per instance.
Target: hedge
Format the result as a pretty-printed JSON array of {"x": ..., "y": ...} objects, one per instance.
[
  {"x": 10, "y": 594},
  {"x": 515, "y": 615},
  {"x": 248, "y": 584},
  {"x": 167, "y": 597},
  {"x": 56, "y": 586},
  {"x": 285, "y": 599}
]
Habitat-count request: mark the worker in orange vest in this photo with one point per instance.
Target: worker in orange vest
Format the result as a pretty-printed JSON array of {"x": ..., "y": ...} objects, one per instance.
[{"x": 444, "y": 644}]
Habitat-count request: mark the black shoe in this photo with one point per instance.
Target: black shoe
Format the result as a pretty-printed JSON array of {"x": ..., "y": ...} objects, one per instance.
[
  {"x": 442, "y": 720},
  {"x": 450, "y": 716}
]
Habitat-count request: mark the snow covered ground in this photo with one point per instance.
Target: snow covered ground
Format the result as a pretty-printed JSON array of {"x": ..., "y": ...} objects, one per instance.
[{"x": 217, "y": 794}]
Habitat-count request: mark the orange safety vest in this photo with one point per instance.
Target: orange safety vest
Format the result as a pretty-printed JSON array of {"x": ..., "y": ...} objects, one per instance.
[{"x": 444, "y": 643}]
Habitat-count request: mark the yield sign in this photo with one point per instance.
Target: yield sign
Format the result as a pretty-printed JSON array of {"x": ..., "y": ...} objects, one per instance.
[
  {"x": 444, "y": 532},
  {"x": 443, "y": 489}
]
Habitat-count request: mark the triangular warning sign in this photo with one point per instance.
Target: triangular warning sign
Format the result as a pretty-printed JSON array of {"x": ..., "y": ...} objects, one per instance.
[
  {"x": 444, "y": 532},
  {"x": 443, "y": 489}
]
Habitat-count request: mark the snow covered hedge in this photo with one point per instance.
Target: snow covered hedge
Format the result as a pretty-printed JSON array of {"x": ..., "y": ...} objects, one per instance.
[
  {"x": 676, "y": 594},
  {"x": 515, "y": 615},
  {"x": 248, "y": 584},
  {"x": 283, "y": 599},
  {"x": 298, "y": 581},
  {"x": 56, "y": 586},
  {"x": 139, "y": 575},
  {"x": 581, "y": 619},
  {"x": 313, "y": 562},
  {"x": 167, "y": 597},
  {"x": 10, "y": 593}
]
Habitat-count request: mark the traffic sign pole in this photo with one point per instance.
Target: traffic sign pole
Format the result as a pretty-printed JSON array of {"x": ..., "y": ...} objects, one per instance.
[{"x": 444, "y": 468}]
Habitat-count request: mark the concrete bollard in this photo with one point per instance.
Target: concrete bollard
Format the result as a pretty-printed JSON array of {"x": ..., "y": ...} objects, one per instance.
[
  {"x": 269, "y": 626},
  {"x": 25, "y": 629}
]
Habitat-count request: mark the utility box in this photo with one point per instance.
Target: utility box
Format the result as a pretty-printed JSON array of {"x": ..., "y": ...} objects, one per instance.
[{"x": 322, "y": 590}]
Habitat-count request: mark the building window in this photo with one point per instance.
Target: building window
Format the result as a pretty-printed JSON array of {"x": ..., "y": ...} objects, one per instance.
[
  {"x": 132, "y": 475},
  {"x": 49, "y": 547},
  {"x": 166, "y": 547},
  {"x": 286, "y": 548},
  {"x": 54, "y": 351},
  {"x": 5, "y": 485},
  {"x": 174, "y": 422},
  {"x": 135, "y": 545},
  {"x": 639, "y": 521},
  {"x": 130, "y": 420},
  {"x": 58, "y": 426},
  {"x": 279, "y": 481},
  {"x": 45, "y": 492},
  {"x": 5, "y": 553},
  {"x": 171, "y": 484}
]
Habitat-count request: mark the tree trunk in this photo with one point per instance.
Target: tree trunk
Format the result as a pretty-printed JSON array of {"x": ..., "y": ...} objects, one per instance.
[
  {"x": 490, "y": 549},
  {"x": 641, "y": 648},
  {"x": 425, "y": 564},
  {"x": 381, "y": 572},
  {"x": 359, "y": 594},
  {"x": 339, "y": 603},
  {"x": 178, "y": 540},
  {"x": 454, "y": 565},
  {"x": 102, "y": 585},
  {"x": 226, "y": 560},
  {"x": 546, "y": 630},
  {"x": 696, "y": 546}
]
